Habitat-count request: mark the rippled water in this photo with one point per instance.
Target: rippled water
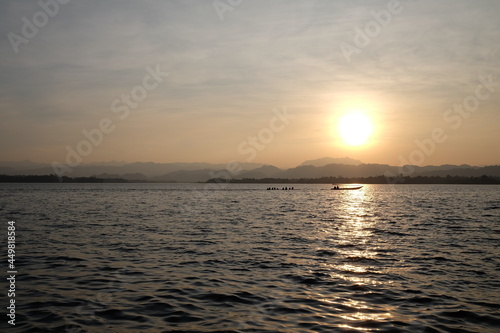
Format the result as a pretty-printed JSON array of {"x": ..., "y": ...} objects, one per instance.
[{"x": 187, "y": 258}]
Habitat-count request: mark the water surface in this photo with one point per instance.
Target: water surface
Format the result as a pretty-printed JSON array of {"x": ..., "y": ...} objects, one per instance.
[{"x": 198, "y": 258}]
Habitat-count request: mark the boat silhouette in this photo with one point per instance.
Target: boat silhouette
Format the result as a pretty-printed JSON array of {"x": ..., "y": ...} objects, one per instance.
[{"x": 337, "y": 188}]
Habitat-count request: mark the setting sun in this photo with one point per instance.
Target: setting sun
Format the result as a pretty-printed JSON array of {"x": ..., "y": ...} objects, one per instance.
[{"x": 355, "y": 128}]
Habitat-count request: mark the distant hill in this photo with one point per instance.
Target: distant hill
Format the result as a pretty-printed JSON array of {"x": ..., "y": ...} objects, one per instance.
[
  {"x": 190, "y": 176},
  {"x": 148, "y": 169},
  {"x": 22, "y": 165},
  {"x": 338, "y": 170},
  {"x": 465, "y": 171},
  {"x": 186, "y": 176},
  {"x": 372, "y": 170},
  {"x": 330, "y": 160},
  {"x": 201, "y": 172},
  {"x": 127, "y": 176},
  {"x": 262, "y": 172}
]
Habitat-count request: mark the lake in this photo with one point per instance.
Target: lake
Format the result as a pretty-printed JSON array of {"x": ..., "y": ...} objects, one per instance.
[{"x": 239, "y": 258}]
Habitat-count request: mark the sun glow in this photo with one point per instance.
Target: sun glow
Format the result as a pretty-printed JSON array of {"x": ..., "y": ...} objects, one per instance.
[{"x": 355, "y": 128}]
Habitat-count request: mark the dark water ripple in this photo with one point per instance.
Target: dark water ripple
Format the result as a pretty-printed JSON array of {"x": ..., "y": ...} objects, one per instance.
[{"x": 184, "y": 258}]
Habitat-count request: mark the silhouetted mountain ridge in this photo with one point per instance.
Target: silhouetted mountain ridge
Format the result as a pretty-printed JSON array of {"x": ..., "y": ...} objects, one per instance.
[
  {"x": 201, "y": 172},
  {"x": 148, "y": 169},
  {"x": 331, "y": 160}
]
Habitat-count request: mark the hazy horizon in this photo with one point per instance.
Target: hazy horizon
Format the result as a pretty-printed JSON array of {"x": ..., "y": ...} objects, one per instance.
[
  {"x": 262, "y": 82},
  {"x": 242, "y": 162}
]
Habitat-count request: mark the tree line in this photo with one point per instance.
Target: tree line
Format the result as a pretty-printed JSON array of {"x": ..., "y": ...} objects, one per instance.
[{"x": 367, "y": 180}]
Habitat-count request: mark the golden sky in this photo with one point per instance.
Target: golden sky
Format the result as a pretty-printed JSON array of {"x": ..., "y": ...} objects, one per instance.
[{"x": 252, "y": 81}]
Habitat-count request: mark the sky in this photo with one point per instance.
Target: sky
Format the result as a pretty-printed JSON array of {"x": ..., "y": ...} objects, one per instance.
[{"x": 249, "y": 80}]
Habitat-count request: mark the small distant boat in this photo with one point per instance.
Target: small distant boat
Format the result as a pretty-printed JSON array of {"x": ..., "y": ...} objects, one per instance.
[{"x": 337, "y": 188}]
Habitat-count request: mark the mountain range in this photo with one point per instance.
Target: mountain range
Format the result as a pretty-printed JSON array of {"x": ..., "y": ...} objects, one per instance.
[{"x": 201, "y": 172}]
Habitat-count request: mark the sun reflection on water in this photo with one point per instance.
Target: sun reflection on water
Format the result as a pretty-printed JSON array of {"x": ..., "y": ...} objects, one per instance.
[
  {"x": 353, "y": 239},
  {"x": 355, "y": 225}
]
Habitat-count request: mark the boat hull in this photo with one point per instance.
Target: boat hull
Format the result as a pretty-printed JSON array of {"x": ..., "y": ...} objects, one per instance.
[{"x": 346, "y": 188}]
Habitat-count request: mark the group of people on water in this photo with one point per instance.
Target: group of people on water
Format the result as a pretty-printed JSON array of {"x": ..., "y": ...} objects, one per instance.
[
  {"x": 336, "y": 187},
  {"x": 283, "y": 188}
]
